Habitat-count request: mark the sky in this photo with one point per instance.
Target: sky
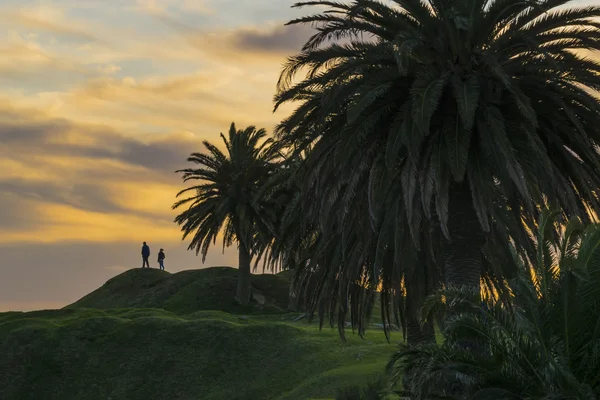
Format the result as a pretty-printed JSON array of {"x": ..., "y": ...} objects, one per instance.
[{"x": 100, "y": 102}]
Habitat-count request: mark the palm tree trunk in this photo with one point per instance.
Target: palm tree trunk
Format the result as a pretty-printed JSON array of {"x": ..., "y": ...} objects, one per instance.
[
  {"x": 415, "y": 333},
  {"x": 292, "y": 295},
  {"x": 417, "y": 289},
  {"x": 416, "y": 292},
  {"x": 243, "y": 286},
  {"x": 463, "y": 262},
  {"x": 292, "y": 302}
]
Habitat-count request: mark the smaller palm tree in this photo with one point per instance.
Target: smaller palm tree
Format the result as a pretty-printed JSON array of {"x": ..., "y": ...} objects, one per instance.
[
  {"x": 542, "y": 342},
  {"x": 225, "y": 200}
]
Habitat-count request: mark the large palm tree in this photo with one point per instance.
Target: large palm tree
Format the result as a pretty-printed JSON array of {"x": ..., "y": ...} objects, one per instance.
[
  {"x": 223, "y": 198},
  {"x": 341, "y": 259},
  {"x": 455, "y": 111},
  {"x": 541, "y": 343}
]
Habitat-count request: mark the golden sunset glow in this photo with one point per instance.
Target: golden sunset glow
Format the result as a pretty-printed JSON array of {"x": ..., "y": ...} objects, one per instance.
[{"x": 101, "y": 101}]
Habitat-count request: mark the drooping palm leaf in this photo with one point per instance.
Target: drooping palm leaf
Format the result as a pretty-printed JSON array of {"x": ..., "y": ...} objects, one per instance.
[
  {"x": 479, "y": 111},
  {"x": 540, "y": 343}
]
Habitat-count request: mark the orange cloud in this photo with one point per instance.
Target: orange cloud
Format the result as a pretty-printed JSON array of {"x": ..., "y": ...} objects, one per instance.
[
  {"x": 161, "y": 7},
  {"x": 251, "y": 45},
  {"x": 63, "y": 181},
  {"x": 150, "y": 198},
  {"x": 94, "y": 119},
  {"x": 48, "y": 20}
]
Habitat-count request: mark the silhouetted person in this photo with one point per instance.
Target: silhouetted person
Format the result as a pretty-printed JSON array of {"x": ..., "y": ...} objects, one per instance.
[
  {"x": 161, "y": 259},
  {"x": 145, "y": 255}
]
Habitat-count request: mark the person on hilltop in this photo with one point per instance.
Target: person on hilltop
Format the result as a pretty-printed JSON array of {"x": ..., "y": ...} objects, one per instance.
[
  {"x": 145, "y": 255},
  {"x": 161, "y": 259}
]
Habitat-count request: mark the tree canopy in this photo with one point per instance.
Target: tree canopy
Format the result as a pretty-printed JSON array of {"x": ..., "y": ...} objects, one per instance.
[
  {"x": 223, "y": 198},
  {"x": 439, "y": 119}
]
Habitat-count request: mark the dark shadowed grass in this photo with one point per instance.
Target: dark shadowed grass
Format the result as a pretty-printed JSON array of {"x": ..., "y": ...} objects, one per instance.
[
  {"x": 186, "y": 291},
  {"x": 153, "y": 354},
  {"x": 148, "y": 334}
]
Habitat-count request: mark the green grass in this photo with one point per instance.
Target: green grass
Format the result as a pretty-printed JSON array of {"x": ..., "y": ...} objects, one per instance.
[
  {"x": 153, "y": 354},
  {"x": 186, "y": 291},
  {"x": 152, "y": 335}
]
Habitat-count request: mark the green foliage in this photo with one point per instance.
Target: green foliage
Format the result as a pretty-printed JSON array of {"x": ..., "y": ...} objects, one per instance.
[
  {"x": 542, "y": 341},
  {"x": 413, "y": 110},
  {"x": 224, "y": 199},
  {"x": 283, "y": 249}
]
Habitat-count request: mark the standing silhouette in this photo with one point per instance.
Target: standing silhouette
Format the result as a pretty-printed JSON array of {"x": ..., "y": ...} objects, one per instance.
[
  {"x": 145, "y": 255},
  {"x": 161, "y": 259}
]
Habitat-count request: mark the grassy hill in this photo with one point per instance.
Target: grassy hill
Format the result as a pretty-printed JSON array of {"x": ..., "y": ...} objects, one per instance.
[
  {"x": 186, "y": 291},
  {"x": 109, "y": 345}
]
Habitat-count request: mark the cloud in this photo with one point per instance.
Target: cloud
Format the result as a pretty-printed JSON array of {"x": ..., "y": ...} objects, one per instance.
[
  {"x": 248, "y": 44},
  {"x": 53, "y": 23},
  {"x": 31, "y": 65},
  {"x": 64, "y": 181},
  {"x": 165, "y": 153},
  {"x": 130, "y": 85},
  {"x": 99, "y": 105},
  {"x": 16, "y": 214},
  {"x": 285, "y": 40},
  {"x": 171, "y": 88},
  {"x": 163, "y": 7},
  {"x": 66, "y": 223},
  {"x": 60, "y": 180},
  {"x": 52, "y": 47},
  {"x": 47, "y": 138},
  {"x": 85, "y": 196},
  {"x": 199, "y": 102}
]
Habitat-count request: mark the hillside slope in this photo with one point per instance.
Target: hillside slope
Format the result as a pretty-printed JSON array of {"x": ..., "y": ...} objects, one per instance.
[
  {"x": 148, "y": 334},
  {"x": 187, "y": 291},
  {"x": 154, "y": 354}
]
